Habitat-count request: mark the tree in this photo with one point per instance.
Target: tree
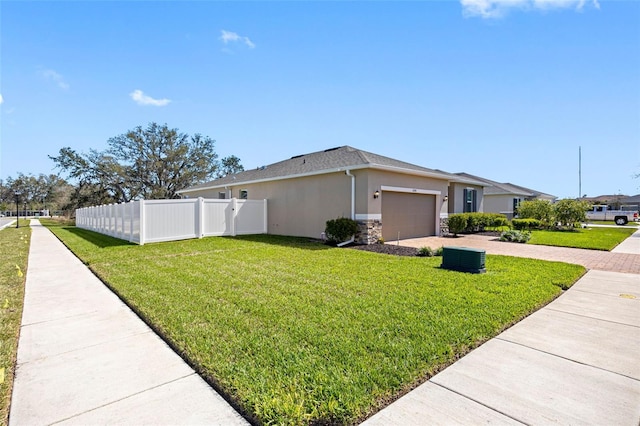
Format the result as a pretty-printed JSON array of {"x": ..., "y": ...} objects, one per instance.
[
  {"x": 569, "y": 212},
  {"x": 152, "y": 163},
  {"x": 37, "y": 193},
  {"x": 229, "y": 165},
  {"x": 541, "y": 210}
]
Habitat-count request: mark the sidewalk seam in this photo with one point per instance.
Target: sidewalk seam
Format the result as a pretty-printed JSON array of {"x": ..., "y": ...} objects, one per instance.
[
  {"x": 549, "y": 307},
  {"x": 480, "y": 403},
  {"x": 85, "y": 347},
  {"x": 565, "y": 358},
  {"x": 123, "y": 398}
]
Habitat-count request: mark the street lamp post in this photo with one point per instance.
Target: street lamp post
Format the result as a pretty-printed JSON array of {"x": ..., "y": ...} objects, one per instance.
[{"x": 17, "y": 194}]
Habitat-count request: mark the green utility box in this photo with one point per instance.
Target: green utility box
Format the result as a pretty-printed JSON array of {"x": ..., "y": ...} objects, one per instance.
[{"x": 464, "y": 259}]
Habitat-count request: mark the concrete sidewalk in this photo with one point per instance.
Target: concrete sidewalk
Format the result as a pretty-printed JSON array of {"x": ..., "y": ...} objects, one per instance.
[{"x": 85, "y": 358}]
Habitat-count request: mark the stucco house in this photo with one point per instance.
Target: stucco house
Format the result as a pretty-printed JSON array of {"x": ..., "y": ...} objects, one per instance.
[
  {"x": 504, "y": 197},
  {"x": 388, "y": 198}
]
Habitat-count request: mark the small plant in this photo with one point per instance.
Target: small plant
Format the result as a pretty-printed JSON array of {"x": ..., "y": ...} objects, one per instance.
[
  {"x": 340, "y": 229},
  {"x": 515, "y": 236},
  {"x": 425, "y": 252},
  {"x": 380, "y": 241},
  {"x": 439, "y": 251}
]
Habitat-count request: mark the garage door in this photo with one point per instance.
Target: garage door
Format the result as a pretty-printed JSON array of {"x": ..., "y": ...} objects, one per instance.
[{"x": 410, "y": 215}]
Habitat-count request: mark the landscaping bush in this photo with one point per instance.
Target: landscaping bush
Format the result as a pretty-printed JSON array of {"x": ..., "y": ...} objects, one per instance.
[
  {"x": 457, "y": 223},
  {"x": 425, "y": 252},
  {"x": 526, "y": 224},
  {"x": 569, "y": 213},
  {"x": 498, "y": 220},
  {"x": 475, "y": 222},
  {"x": 341, "y": 229},
  {"x": 515, "y": 236},
  {"x": 541, "y": 210}
]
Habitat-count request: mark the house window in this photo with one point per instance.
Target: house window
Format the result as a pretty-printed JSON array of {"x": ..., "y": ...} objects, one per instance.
[
  {"x": 222, "y": 195},
  {"x": 516, "y": 204},
  {"x": 244, "y": 194},
  {"x": 470, "y": 200}
]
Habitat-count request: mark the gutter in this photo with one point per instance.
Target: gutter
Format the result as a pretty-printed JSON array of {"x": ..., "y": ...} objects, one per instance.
[
  {"x": 353, "y": 193},
  {"x": 353, "y": 206}
]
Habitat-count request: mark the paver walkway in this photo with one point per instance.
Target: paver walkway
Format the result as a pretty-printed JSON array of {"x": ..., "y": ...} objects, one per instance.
[
  {"x": 574, "y": 361},
  {"x": 624, "y": 258},
  {"x": 85, "y": 358}
]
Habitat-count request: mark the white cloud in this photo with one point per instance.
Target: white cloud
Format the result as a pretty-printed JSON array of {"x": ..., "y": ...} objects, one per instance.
[
  {"x": 51, "y": 75},
  {"x": 141, "y": 99},
  {"x": 499, "y": 8},
  {"x": 231, "y": 37},
  {"x": 1, "y": 98}
]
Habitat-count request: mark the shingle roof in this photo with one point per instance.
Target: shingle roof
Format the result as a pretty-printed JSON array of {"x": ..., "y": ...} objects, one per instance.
[
  {"x": 329, "y": 160},
  {"x": 497, "y": 188}
]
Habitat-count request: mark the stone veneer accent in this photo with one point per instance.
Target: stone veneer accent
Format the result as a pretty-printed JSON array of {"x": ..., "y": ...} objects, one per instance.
[{"x": 369, "y": 231}]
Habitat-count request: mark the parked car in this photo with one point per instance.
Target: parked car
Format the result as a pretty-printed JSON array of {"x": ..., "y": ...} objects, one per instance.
[{"x": 620, "y": 217}]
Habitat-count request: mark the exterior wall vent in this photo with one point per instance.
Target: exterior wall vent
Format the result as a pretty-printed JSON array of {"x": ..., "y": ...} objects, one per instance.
[{"x": 464, "y": 259}]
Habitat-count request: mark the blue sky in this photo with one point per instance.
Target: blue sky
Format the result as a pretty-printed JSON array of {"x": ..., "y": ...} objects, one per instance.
[{"x": 507, "y": 90}]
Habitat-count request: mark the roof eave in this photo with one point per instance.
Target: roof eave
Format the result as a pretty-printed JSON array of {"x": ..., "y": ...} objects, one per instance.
[{"x": 322, "y": 172}]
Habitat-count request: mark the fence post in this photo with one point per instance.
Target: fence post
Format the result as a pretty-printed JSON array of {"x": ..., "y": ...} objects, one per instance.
[
  {"x": 234, "y": 214},
  {"x": 142, "y": 236},
  {"x": 200, "y": 216},
  {"x": 265, "y": 226},
  {"x": 131, "y": 213}
]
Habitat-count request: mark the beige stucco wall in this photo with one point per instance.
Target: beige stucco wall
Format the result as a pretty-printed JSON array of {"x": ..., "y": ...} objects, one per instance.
[
  {"x": 376, "y": 179},
  {"x": 298, "y": 207},
  {"x": 456, "y": 197},
  {"x": 301, "y": 206},
  {"x": 499, "y": 204}
]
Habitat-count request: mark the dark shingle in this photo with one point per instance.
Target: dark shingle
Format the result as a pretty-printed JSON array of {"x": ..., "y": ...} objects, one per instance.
[{"x": 316, "y": 162}]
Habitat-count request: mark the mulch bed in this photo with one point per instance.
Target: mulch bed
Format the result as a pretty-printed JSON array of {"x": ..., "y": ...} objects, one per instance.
[{"x": 387, "y": 249}]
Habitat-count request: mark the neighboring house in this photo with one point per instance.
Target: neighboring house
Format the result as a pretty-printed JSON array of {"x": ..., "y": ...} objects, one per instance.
[
  {"x": 388, "y": 198},
  {"x": 616, "y": 201},
  {"x": 504, "y": 198},
  {"x": 630, "y": 203}
]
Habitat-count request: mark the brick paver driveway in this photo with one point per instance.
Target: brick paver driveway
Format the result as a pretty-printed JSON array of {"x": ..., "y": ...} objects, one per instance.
[{"x": 591, "y": 259}]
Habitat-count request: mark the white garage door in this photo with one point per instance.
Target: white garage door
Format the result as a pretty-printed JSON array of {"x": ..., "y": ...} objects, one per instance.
[{"x": 408, "y": 215}]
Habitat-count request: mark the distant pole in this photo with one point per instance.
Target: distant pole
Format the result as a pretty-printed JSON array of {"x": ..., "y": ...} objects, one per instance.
[{"x": 579, "y": 172}]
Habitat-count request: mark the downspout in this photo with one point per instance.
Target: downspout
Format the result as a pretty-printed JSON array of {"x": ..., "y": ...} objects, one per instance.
[{"x": 353, "y": 205}]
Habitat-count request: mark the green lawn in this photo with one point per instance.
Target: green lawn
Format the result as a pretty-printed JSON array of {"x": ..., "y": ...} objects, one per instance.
[
  {"x": 588, "y": 238},
  {"x": 14, "y": 251},
  {"x": 296, "y": 332},
  {"x": 610, "y": 222}
]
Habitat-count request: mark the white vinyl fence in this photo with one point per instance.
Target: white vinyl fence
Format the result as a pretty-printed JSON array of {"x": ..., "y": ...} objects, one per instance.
[{"x": 151, "y": 221}]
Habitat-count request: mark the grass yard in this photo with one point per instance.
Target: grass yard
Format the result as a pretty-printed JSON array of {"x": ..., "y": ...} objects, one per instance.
[
  {"x": 610, "y": 222},
  {"x": 586, "y": 238},
  {"x": 14, "y": 251},
  {"x": 296, "y": 332}
]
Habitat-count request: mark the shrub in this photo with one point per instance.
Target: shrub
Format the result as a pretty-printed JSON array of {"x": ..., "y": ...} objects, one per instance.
[
  {"x": 515, "y": 236},
  {"x": 498, "y": 220},
  {"x": 425, "y": 252},
  {"x": 475, "y": 222},
  {"x": 457, "y": 223},
  {"x": 527, "y": 224},
  {"x": 341, "y": 229},
  {"x": 541, "y": 210},
  {"x": 439, "y": 251},
  {"x": 569, "y": 212}
]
